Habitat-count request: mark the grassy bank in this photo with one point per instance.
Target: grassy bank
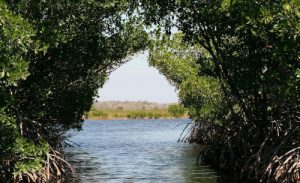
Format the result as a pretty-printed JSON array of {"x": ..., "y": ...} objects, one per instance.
[
  {"x": 135, "y": 110},
  {"x": 131, "y": 114}
]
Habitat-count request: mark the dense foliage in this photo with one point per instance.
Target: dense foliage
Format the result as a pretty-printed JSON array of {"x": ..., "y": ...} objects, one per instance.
[
  {"x": 176, "y": 110},
  {"x": 246, "y": 88},
  {"x": 54, "y": 57},
  {"x": 16, "y": 40},
  {"x": 236, "y": 64},
  {"x": 198, "y": 89}
]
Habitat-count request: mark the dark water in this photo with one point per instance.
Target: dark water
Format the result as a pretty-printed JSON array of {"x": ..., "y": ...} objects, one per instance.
[{"x": 136, "y": 151}]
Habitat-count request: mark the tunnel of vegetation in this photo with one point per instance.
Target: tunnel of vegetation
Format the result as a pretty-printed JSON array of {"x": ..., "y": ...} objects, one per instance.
[{"x": 235, "y": 63}]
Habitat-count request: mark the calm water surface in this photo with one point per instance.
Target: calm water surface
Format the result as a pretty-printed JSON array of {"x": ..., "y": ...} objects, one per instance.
[{"x": 136, "y": 151}]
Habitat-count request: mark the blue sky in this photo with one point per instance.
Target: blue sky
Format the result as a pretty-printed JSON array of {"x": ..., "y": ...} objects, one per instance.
[{"x": 136, "y": 81}]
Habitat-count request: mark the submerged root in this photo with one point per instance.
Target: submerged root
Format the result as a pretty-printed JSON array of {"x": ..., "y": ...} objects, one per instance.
[{"x": 276, "y": 158}]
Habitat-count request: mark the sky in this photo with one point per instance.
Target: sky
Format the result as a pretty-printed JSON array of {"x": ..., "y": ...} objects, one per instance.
[{"x": 137, "y": 81}]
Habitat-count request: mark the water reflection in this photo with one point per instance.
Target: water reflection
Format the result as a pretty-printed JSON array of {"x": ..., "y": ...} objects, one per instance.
[
  {"x": 136, "y": 151},
  {"x": 87, "y": 167}
]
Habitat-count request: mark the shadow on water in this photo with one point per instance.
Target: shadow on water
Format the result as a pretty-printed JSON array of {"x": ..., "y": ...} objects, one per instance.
[
  {"x": 136, "y": 151},
  {"x": 87, "y": 168}
]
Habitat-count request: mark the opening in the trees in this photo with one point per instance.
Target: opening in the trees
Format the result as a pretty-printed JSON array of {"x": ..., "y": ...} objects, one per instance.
[
  {"x": 136, "y": 91},
  {"x": 137, "y": 81}
]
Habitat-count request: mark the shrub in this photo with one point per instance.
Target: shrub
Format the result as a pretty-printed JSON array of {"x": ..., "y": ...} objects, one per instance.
[{"x": 176, "y": 110}]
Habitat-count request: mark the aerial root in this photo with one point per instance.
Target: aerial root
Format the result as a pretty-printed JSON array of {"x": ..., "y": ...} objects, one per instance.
[
  {"x": 54, "y": 168},
  {"x": 285, "y": 168}
]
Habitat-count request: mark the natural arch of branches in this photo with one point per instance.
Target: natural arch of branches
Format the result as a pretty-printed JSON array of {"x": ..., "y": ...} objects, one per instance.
[{"x": 236, "y": 65}]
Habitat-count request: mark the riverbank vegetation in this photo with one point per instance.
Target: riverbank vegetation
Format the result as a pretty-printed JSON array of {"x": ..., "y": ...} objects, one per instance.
[
  {"x": 54, "y": 57},
  {"x": 235, "y": 63},
  {"x": 173, "y": 111},
  {"x": 125, "y": 114}
]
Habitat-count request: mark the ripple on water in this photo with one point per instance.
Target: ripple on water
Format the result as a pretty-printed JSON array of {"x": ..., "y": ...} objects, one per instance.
[{"x": 135, "y": 151}]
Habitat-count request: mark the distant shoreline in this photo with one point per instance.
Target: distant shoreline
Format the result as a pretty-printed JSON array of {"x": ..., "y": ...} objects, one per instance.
[
  {"x": 125, "y": 118},
  {"x": 117, "y": 110}
]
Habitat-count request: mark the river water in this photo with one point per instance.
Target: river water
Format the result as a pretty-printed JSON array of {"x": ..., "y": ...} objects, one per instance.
[{"x": 128, "y": 151}]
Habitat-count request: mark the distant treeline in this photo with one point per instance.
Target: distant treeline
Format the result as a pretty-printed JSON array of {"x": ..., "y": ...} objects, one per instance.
[
  {"x": 129, "y": 105},
  {"x": 170, "y": 111}
]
